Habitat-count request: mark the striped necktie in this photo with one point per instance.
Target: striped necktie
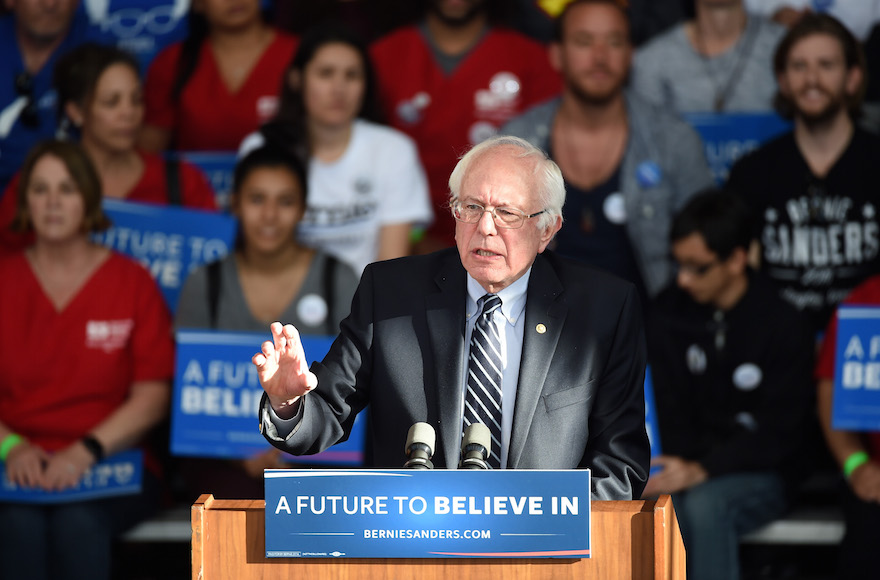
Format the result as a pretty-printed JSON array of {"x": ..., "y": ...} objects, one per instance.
[{"x": 482, "y": 402}]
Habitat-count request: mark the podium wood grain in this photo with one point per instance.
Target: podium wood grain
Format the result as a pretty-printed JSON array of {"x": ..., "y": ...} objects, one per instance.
[{"x": 630, "y": 539}]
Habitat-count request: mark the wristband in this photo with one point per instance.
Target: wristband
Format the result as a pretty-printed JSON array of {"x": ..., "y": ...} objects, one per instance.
[
  {"x": 94, "y": 447},
  {"x": 853, "y": 462},
  {"x": 8, "y": 443}
]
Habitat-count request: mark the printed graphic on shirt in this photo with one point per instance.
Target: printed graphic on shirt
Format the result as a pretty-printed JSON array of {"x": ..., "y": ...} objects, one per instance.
[
  {"x": 108, "y": 335},
  {"x": 816, "y": 243}
]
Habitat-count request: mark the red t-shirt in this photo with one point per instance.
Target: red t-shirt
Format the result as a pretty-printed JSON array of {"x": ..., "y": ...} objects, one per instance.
[
  {"x": 152, "y": 187},
  {"x": 62, "y": 373},
  {"x": 503, "y": 75},
  {"x": 207, "y": 116},
  {"x": 865, "y": 294}
]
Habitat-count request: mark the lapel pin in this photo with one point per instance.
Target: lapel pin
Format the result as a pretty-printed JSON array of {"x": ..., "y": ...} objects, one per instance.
[{"x": 541, "y": 329}]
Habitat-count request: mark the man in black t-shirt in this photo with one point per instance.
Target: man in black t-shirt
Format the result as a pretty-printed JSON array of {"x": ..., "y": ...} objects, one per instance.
[{"x": 813, "y": 192}]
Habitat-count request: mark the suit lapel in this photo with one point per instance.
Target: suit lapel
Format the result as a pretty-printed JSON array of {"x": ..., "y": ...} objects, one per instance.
[
  {"x": 445, "y": 316},
  {"x": 545, "y": 316}
]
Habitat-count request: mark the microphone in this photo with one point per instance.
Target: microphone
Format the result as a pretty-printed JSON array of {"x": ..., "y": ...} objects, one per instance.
[
  {"x": 475, "y": 446},
  {"x": 419, "y": 446}
]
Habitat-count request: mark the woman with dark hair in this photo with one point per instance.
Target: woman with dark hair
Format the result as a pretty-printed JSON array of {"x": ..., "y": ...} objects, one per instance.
[
  {"x": 367, "y": 188},
  {"x": 101, "y": 320},
  {"x": 269, "y": 277},
  {"x": 209, "y": 91},
  {"x": 100, "y": 102}
]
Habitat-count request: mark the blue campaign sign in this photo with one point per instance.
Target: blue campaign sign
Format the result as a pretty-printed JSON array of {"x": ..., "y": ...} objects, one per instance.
[
  {"x": 218, "y": 167},
  {"x": 169, "y": 241},
  {"x": 728, "y": 136},
  {"x": 142, "y": 27},
  {"x": 427, "y": 514},
  {"x": 119, "y": 474},
  {"x": 217, "y": 395},
  {"x": 651, "y": 417},
  {"x": 856, "y": 401}
]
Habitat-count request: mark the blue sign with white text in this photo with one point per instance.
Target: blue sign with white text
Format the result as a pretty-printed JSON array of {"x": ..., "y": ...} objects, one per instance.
[
  {"x": 119, "y": 474},
  {"x": 169, "y": 241},
  {"x": 651, "y": 418},
  {"x": 856, "y": 402},
  {"x": 728, "y": 136},
  {"x": 427, "y": 514},
  {"x": 215, "y": 405},
  {"x": 218, "y": 167}
]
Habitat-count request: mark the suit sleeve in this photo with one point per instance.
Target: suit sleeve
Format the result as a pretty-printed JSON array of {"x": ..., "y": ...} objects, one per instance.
[
  {"x": 618, "y": 453},
  {"x": 327, "y": 414}
]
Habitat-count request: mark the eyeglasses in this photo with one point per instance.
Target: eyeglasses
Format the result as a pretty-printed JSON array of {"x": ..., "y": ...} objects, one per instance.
[
  {"x": 696, "y": 270},
  {"x": 24, "y": 87},
  {"x": 505, "y": 217}
]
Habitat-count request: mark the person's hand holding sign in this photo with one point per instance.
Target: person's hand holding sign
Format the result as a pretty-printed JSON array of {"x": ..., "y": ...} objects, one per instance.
[{"x": 283, "y": 371}]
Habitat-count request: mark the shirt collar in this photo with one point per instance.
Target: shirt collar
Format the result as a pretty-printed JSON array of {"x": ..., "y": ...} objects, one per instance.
[{"x": 513, "y": 298}]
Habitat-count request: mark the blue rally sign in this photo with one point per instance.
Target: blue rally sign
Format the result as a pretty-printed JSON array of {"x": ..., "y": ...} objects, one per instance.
[
  {"x": 119, "y": 474},
  {"x": 215, "y": 408},
  {"x": 651, "y": 427},
  {"x": 427, "y": 514},
  {"x": 169, "y": 241},
  {"x": 729, "y": 136},
  {"x": 856, "y": 402}
]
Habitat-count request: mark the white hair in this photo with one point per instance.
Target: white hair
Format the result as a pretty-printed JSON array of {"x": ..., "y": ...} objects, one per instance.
[{"x": 548, "y": 177}]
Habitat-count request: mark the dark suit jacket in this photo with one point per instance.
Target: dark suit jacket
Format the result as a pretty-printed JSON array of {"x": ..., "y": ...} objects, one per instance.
[{"x": 580, "y": 397}]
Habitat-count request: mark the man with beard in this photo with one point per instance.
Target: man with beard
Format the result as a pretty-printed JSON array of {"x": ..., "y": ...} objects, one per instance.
[
  {"x": 813, "y": 191},
  {"x": 628, "y": 166},
  {"x": 32, "y": 37},
  {"x": 450, "y": 80}
]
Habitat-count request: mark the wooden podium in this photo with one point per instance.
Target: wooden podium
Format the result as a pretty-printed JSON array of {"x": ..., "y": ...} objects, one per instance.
[{"x": 629, "y": 539}]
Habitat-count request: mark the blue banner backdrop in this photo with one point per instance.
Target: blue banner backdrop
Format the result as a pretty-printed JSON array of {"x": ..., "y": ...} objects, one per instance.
[
  {"x": 428, "y": 514},
  {"x": 217, "y": 394},
  {"x": 119, "y": 474},
  {"x": 856, "y": 402}
]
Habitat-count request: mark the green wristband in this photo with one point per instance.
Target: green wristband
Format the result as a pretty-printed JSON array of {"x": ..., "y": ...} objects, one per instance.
[
  {"x": 8, "y": 443},
  {"x": 854, "y": 461}
]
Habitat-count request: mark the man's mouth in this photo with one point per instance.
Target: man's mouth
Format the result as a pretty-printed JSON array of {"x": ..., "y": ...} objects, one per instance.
[{"x": 485, "y": 253}]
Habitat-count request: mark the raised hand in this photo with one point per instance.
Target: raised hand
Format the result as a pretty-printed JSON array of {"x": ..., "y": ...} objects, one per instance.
[{"x": 282, "y": 369}]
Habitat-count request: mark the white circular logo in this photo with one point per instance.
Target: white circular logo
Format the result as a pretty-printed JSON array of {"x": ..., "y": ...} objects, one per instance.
[
  {"x": 505, "y": 85},
  {"x": 614, "y": 208},
  {"x": 696, "y": 359},
  {"x": 312, "y": 309},
  {"x": 747, "y": 376}
]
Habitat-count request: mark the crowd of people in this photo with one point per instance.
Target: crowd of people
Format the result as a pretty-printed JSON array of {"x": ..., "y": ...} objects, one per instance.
[{"x": 345, "y": 123}]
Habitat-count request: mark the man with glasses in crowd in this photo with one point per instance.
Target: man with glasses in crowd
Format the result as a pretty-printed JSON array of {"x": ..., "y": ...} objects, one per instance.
[
  {"x": 560, "y": 345},
  {"x": 731, "y": 369},
  {"x": 32, "y": 36}
]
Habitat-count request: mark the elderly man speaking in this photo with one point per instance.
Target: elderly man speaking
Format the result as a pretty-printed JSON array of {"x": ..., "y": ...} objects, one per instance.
[{"x": 547, "y": 353}]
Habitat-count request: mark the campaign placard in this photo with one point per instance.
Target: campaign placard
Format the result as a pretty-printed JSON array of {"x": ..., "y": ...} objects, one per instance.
[
  {"x": 651, "y": 427},
  {"x": 728, "y": 136},
  {"x": 856, "y": 399},
  {"x": 427, "y": 513},
  {"x": 170, "y": 241},
  {"x": 216, "y": 397},
  {"x": 119, "y": 474},
  {"x": 218, "y": 167}
]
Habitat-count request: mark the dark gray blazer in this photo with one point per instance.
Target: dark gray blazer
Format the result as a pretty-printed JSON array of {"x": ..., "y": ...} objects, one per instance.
[{"x": 580, "y": 397}]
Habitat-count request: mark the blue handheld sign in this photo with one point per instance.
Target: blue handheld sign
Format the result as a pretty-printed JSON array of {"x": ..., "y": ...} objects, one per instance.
[
  {"x": 856, "y": 398},
  {"x": 217, "y": 394},
  {"x": 169, "y": 241},
  {"x": 119, "y": 474}
]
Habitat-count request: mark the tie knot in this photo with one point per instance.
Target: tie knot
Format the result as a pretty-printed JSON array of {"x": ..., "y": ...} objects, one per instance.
[{"x": 490, "y": 303}]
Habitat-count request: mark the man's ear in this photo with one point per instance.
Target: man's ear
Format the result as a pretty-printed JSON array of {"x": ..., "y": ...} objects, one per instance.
[
  {"x": 738, "y": 261},
  {"x": 294, "y": 81},
  {"x": 854, "y": 78},
  {"x": 548, "y": 233}
]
